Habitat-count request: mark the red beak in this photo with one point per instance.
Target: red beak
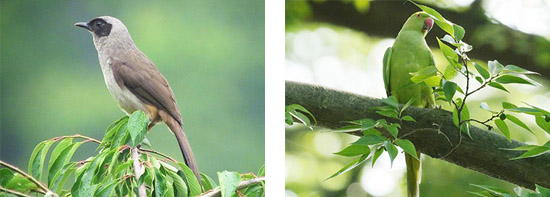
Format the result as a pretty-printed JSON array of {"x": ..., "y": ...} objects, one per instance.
[{"x": 428, "y": 24}]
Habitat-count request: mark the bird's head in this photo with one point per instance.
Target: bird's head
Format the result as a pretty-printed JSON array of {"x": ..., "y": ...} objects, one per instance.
[
  {"x": 106, "y": 30},
  {"x": 419, "y": 21}
]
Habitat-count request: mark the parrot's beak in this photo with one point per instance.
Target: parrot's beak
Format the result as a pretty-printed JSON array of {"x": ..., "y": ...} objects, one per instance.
[{"x": 428, "y": 24}]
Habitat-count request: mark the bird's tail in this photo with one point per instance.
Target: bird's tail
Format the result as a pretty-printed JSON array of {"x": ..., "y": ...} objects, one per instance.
[
  {"x": 185, "y": 147},
  {"x": 413, "y": 175}
]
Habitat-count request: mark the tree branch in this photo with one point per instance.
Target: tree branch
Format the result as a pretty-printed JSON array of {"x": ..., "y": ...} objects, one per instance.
[
  {"x": 40, "y": 185},
  {"x": 483, "y": 153},
  {"x": 138, "y": 171},
  {"x": 491, "y": 41}
]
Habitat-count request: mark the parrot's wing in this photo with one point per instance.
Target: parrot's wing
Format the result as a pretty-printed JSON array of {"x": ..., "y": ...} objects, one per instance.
[{"x": 386, "y": 68}]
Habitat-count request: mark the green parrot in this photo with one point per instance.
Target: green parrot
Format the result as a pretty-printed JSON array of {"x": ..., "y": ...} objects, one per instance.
[{"x": 410, "y": 54}]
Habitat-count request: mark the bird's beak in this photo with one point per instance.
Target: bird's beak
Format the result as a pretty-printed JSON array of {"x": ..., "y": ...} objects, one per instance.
[
  {"x": 83, "y": 25},
  {"x": 428, "y": 24}
]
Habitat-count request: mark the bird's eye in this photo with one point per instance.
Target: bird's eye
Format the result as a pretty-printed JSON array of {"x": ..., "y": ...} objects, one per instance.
[
  {"x": 98, "y": 24},
  {"x": 418, "y": 15}
]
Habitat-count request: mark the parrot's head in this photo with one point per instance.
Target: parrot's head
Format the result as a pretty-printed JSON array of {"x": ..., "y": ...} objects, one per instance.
[{"x": 419, "y": 21}]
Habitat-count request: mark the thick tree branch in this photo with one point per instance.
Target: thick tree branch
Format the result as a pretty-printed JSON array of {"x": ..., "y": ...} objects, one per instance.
[
  {"x": 491, "y": 41},
  {"x": 484, "y": 153}
]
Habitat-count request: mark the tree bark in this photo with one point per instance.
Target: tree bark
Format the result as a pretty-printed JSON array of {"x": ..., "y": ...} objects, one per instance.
[
  {"x": 490, "y": 41},
  {"x": 484, "y": 152}
]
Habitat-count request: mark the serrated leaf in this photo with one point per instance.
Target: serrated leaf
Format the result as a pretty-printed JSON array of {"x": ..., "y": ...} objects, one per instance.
[
  {"x": 208, "y": 183},
  {"x": 408, "y": 118},
  {"x": 407, "y": 146},
  {"x": 38, "y": 156},
  {"x": 518, "y": 122},
  {"x": 497, "y": 86},
  {"x": 391, "y": 149},
  {"x": 495, "y": 67},
  {"x": 449, "y": 88},
  {"x": 192, "y": 182},
  {"x": 503, "y": 128},
  {"x": 370, "y": 140},
  {"x": 228, "y": 182},
  {"x": 57, "y": 164},
  {"x": 354, "y": 150},
  {"x": 349, "y": 166},
  {"x": 458, "y": 32},
  {"x": 539, "y": 150},
  {"x": 507, "y": 79},
  {"x": 137, "y": 126}
]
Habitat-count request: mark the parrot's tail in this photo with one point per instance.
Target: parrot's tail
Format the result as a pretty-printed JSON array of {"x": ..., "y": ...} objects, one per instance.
[{"x": 414, "y": 175}]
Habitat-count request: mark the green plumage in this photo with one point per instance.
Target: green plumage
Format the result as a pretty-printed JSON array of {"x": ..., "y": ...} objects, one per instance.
[{"x": 410, "y": 54}]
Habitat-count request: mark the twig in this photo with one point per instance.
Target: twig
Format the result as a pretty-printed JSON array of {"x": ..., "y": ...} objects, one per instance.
[
  {"x": 77, "y": 136},
  {"x": 138, "y": 171},
  {"x": 13, "y": 192},
  {"x": 159, "y": 153},
  {"x": 44, "y": 189},
  {"x": 241, "y": 185}
]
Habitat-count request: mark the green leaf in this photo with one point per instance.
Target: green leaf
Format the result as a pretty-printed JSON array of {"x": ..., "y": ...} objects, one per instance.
[
  {"x": 64, "y": 157},
  {"x": 407, "y": 146},
  {"x": 497, "y": 86},
  {"x": 349, "y": 166},
  {"x": 541, "y": 122},
  {"x": 208, "y": 183},
  {"x": 494, "y": 191},
  {"x": 66, "y": 172},
  {"x": 370, "y": 140},
  {"x": 518, "y": 122},
  {"x": 424, "y": 74},
  {"x": 192, "y": 182},
  {"x": 377, "y": 154},
  {"x": 368, "y": 124},
  {"x": 111, "y": 132},
  {"x": 288, "y": 118},
  {"x": 301, "y": 118},
  {"x": 495, "y": 67},
  {"x": 228, "y": 182},
  {"x": 507, "y": 105},
  {"x": 506, "y": 79},
  {"x": 539, "y": 150},
  {"x": 303, "y": 109},
  {"x": 449, "y": 88},
  {"x": 180, "y": 189},
  {"x": 354, "y": 150},
  {"x": 545, "y": 192},
  {"x": 57, "y": 150},
  {"x": 438, "y": 19},
  {"x": 478, "y": 79},
  {"x": 107, "y": 190},
  {"x": 503, "y": 128},
  {"x": 517, "y": 69},
  {"x": 390, "y": 114},
  {"x": 526, "y": 147},
  {"x": 458, "y": 32},
  {"x": 137, "y": 126},
  {"x": 159, "y": 183},
  {"x": 526, "y": 110},
  {"x": 449, "y": 53},
  {"x": 5, "y": 176},
  {"x": 390, "y": 101},
  {"x": 38, "y": 156},
  {"x": 392, "y": 129},
  {"x": 20, "y": 183},
  {"x": 450, "y": 72},
  {"x": 408, "y": 118},
  {"x": 449, "y": 39},
  {"x": 391, "y": 149}
]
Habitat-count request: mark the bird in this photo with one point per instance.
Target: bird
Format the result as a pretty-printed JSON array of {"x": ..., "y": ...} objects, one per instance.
[
  {"x": 408, "y": 54},
  {"x": 135, "y": 82}
]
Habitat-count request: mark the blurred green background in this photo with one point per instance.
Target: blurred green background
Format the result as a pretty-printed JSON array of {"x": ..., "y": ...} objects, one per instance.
[
  {"x": 340, "y": 45},
  {"x": 211, "y": 52}
]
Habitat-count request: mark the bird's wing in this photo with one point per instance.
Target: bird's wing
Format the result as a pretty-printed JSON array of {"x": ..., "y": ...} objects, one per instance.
[
  {"x": 386, "y": 68},
  {"x": 148, "y": 85}
]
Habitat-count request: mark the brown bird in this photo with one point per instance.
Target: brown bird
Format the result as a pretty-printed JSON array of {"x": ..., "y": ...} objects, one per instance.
[{"x": 135, "y": 82}]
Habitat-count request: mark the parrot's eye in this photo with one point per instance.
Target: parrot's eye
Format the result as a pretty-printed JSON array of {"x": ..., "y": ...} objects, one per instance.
[{"x": 418, "y": 15}]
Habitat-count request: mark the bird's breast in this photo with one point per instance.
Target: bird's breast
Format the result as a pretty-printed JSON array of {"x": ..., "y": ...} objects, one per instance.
[{"x": 125, "y": 99}]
